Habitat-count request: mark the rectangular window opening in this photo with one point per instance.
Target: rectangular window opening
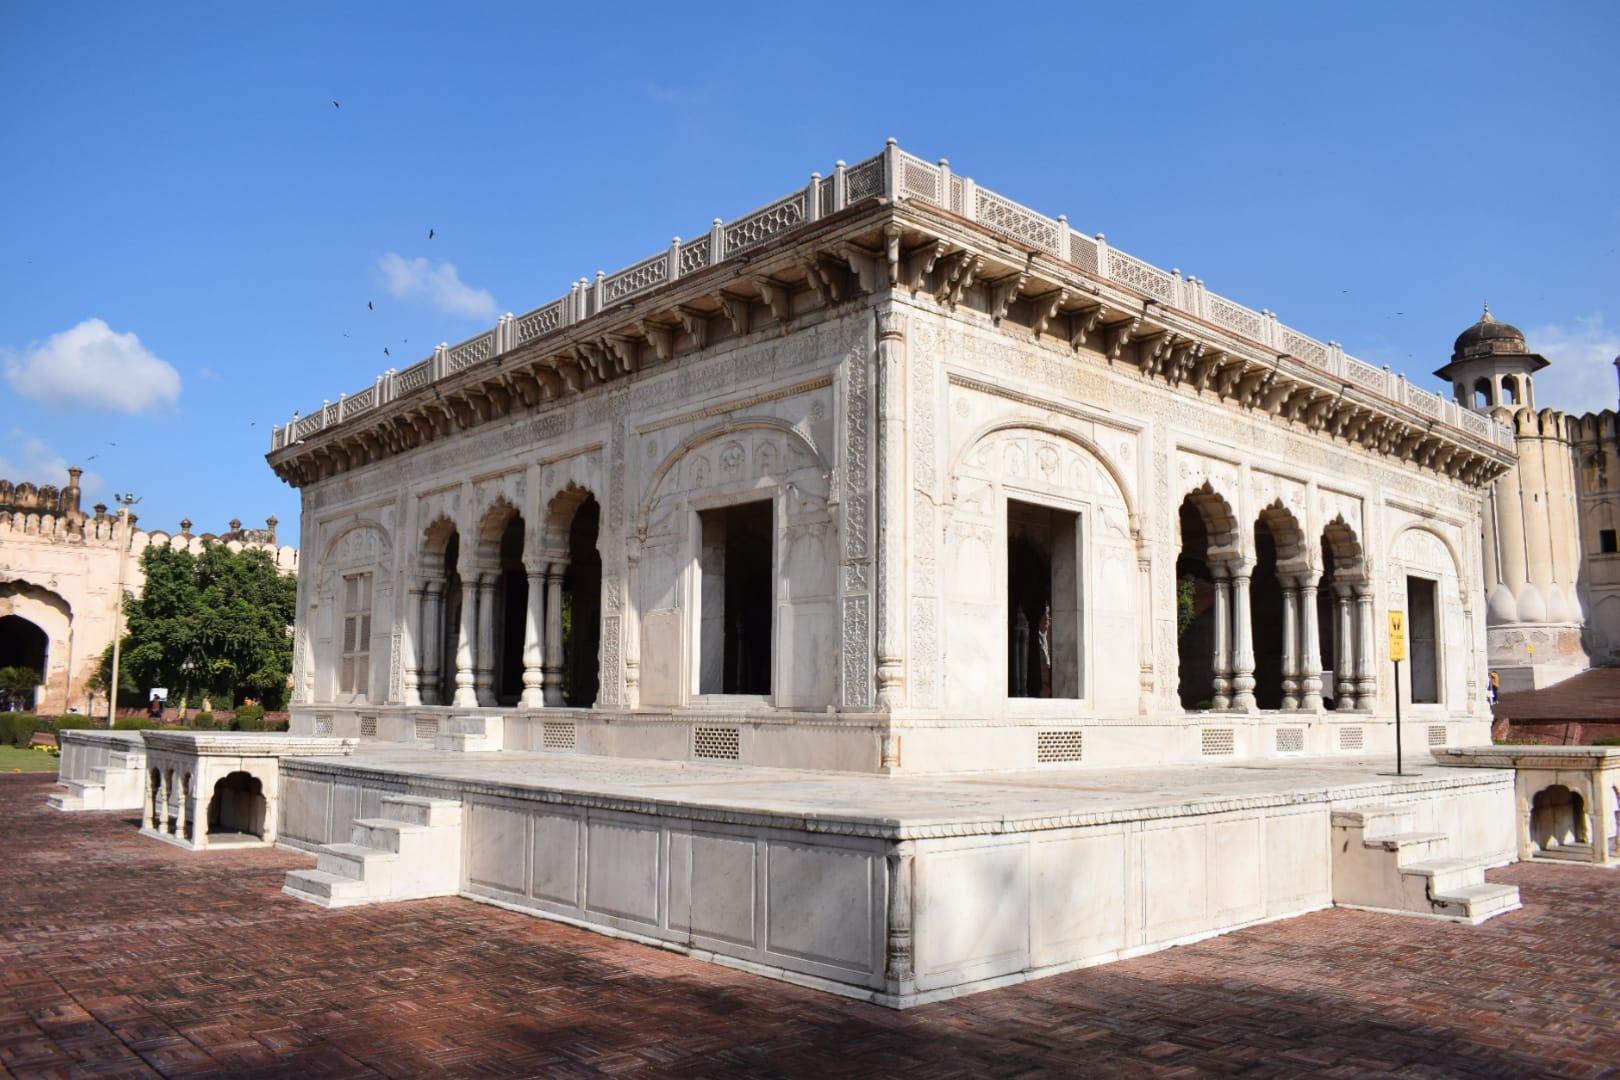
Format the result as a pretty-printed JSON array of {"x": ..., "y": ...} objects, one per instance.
[
  {"x": 355, "y": 674},
  {"x": 1608, "y": 544},
  {"x": 1043, "y": 602},
  {"x": 1422, "y": 640},
  {"x": 737, "y": 599}
]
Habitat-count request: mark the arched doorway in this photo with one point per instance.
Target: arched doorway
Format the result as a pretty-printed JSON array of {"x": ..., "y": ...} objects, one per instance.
[
  {"x": 512, "y": 600},
  {"x": 582, "y": 606},
  {"x": 1203, "y": 600},
  {"x": 237, "y": 806},
  {"x": 22, "y": 645},
  {"x": 1274, "y": 608}
]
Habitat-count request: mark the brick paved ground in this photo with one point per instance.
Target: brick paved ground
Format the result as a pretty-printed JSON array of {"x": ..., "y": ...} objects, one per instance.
[{"x": 121, "y": 956}]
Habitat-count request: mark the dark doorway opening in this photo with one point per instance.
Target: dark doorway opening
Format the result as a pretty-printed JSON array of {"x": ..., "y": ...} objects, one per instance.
[{"x": 738, "y": 595}]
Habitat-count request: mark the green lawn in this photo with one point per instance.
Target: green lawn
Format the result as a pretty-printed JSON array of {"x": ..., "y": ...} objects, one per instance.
[{"x": 15, "y": 760}]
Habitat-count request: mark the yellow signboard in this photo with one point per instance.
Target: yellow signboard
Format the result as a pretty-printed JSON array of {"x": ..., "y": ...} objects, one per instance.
[{"x": 1397, "y": 635}]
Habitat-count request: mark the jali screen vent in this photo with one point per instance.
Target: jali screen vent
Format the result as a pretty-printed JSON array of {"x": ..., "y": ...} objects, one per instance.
[
  {"x": 720, "y": 743},
  {"x": 1437, "y": 734},
  {"x": 558, "y": 735},
  {"x": 1290, "y": 740},
  {"x": 1059, "y": 745},
  {"x": 427, "y": 727},
  {"x": 368, "y": 726},
  {"x": 323, "y": 723},
  {"x": 1218, "y": 741},
  {"x": 1350, "y": 738}
]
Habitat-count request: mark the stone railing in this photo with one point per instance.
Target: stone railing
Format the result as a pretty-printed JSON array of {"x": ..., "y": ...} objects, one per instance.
[{"x": 898, "y": 175}]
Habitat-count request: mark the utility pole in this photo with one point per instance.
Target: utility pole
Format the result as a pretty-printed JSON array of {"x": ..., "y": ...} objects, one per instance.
[{"x": 125, "y": 501}]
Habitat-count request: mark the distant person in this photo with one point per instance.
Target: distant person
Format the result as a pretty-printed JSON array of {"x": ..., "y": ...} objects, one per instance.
[
  {"x": 1493, "y": 689},
  {"x": 154, "y": 711}
]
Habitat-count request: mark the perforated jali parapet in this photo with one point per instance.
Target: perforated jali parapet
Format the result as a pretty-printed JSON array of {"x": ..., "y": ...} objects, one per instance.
[
  {"x": 427, "y": 727},
  {"x": 1059, "y": 745},
  {"x": 718, "y": 743},
  {"x": 902, "y": 177},
  {"x": 1290, "y": 740},
  {"x": 368, "y": 726},
  {"x": 1437, "y": 734},
  {"x": 558, "y": 735},
  {"x": 1218, "y": 741},
  {"x": 1351, "y": 738}
]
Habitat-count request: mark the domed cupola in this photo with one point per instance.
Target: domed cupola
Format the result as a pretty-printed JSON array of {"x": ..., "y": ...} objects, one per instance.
[{"x": 1492, "y": 366}]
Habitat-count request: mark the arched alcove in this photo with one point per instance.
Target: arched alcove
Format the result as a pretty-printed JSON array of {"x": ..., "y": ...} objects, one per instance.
[{"x": 237, "y": 805}]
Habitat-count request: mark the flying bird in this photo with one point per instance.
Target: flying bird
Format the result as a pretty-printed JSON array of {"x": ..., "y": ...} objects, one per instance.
[
  {"x": 430, "y": 234},
  {"x": 369, "y": 306},
  {"x": 335, "y": 105},
  {"x": 386, "y": 352}
]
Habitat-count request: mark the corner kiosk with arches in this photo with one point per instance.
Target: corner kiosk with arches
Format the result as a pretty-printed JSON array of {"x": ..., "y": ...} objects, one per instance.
[{"x": 877, "y": 592}]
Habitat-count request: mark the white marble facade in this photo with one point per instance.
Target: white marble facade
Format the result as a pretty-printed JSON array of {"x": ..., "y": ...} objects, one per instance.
[{"x": 907, "y": 484}]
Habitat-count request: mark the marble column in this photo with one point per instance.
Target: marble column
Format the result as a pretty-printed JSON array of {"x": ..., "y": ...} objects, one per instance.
[
  {"x": 484, "y": 658},
  {"x": 432, "y": 635},
  {"x": 897, "y": 969},
  {"x": 891, "y": 510},
  {"x": 1145, "y": 670},
  {"x": 1242, "y": 644},
  {"x": 632, "y": 627},
  {"x": 1290, "y": 645},
  {"x": 1221, "y": 692},
  {"x": 1344, "y": 651},
  {"x": 180, "y": 807},
  {"x": 466, "y": 696},
  {"x": 534, "y": 640},
  {"x": 410, "y": 643},
  {"x": 553, "y": 670},
  {"x": 1366, "y": 657},
  {"x": 1310, "y": 649}
]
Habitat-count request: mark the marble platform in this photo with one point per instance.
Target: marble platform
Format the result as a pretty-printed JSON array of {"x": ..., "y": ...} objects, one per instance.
[{"x": 894, "y": 890}]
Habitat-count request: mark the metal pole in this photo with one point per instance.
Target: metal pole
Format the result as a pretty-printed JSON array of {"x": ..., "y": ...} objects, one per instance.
[{"x": 1398, "y": 771}]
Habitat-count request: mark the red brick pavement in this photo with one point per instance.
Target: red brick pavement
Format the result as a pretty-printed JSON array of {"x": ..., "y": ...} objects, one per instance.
[{"x": 125, "y": 957}]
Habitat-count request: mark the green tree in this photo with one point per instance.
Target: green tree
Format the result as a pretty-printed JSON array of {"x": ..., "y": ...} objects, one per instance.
[
  {"x": 17, "y": 685},
  {"x": 214, "y": 624}
]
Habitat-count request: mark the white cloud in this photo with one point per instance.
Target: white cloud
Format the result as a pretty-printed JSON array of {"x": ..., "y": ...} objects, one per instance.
[
  {"x": 91, "y": 365},
  {"x": 441, "y": 286},
  {"x": 1582, "y": 377}
]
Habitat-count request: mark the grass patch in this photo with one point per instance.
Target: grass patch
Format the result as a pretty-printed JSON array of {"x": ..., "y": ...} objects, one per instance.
[{"x": 13, "y": 759}]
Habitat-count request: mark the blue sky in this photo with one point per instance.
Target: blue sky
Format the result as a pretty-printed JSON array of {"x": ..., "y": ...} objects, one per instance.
[{"x": 203, "y": 199}]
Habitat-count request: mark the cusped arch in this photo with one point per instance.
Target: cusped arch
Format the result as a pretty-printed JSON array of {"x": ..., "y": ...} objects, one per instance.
[
  {"x": 1115, "y": 476},
  {"x": 492, "y": 524},
  {"x": 1293, "y": 555},
  {"x": 436, "y": 536},
  {"x": 733, "y": 429},
  {"x": 559, "y": 514},
  {"x": 1220, "y": 522},
  {"x": 1340, "y": 539}
]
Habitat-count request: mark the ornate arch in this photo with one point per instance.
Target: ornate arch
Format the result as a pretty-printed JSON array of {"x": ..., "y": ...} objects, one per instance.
[
  {"x": 1220, "y": 520},
  {"x": 1293, "y": 554},
  {"x": 346, "y": 546},
  {"x": 1116, "y": 476},
  {"x": 721, "y": 431}
]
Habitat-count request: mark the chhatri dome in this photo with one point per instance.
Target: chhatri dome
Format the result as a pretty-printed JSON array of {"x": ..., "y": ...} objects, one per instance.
[{"x": 1491, "y": 365}]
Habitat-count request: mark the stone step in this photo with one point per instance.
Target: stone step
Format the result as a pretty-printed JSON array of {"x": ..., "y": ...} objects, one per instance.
[
  {"x": 1446, "y": 876},
  {"x": 416, "y": 810},
  {"x": 1476, "y": 903},
  {"x": 365, "y": 864},
  {"x": 384, "y": 834},
  {"x": 327, "y": 890},
  {"x": 1575, "y": 853},
  {"x": 64, "y": 801},
  {"x": 1375, "y": 820}
]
